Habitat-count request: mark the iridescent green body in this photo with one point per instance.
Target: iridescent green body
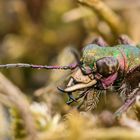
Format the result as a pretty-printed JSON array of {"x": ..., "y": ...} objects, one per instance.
[{"x": 128, "y": 56}]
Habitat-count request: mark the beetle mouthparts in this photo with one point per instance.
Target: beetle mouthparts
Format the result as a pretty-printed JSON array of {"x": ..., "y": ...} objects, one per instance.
[
  {"x": 62, "y": 90},
  {"x": 78, "y": 86}
]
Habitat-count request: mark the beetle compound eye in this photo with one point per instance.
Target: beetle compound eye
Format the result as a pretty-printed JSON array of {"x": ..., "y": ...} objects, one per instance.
[{"x": 107, "y": 66}]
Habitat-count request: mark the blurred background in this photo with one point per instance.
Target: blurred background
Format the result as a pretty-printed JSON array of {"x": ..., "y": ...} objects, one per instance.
[
  {"x": 43, "y": 32},
  {"x": 35, "y": 31}
]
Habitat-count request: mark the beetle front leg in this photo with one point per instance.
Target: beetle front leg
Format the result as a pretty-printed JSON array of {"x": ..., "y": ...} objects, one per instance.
[
  {"x": 124, "y": 107},
  {"x": 128, "y": 103}
]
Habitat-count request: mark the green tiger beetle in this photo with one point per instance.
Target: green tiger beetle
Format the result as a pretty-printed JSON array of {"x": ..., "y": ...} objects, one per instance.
[{"x": 100, "y": 67}]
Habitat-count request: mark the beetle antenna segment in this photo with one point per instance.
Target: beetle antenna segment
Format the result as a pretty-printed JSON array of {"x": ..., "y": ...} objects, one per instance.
[
  {"x": 24, "y": 65},
  {"x": 76, "y": 55}
]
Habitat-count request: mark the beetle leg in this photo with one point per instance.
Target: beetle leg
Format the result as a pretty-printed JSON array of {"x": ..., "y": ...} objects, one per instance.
[
  {"x": 100, "y": 41},
  {"x": 125, "y": 40},
  {"x": 129, "y": 102},
  {"x": 124, "y": 107}
]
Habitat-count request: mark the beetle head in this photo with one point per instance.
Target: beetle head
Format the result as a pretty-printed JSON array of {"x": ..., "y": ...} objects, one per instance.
[
  {"x": 84, "y": 77},
  {"x": 78, "y": 81}
]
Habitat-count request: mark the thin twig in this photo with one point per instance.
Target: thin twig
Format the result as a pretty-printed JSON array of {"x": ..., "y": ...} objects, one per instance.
[{"x": 108, "y": 15}]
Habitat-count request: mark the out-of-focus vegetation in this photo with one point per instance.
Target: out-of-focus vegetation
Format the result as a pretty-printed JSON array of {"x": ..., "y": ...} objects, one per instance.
[{"x": 43, "y": 32}]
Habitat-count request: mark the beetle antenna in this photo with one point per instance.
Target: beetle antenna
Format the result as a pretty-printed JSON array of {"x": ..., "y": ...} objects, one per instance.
[
  {"x": 25, "y": 65},
  {"x": 76, "y": 55}
]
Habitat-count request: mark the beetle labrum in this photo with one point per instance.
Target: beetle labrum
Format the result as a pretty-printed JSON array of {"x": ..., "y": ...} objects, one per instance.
[{"x": 100, "y": 67}]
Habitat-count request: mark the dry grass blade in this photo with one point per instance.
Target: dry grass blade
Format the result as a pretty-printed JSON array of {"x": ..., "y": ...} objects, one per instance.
[
  {"x": 108, "y": 15},
  {"x": 127, "y": 122},
  {"x": 17, "y": 98}
]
